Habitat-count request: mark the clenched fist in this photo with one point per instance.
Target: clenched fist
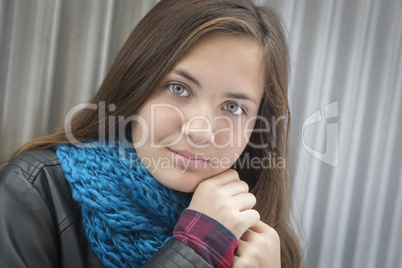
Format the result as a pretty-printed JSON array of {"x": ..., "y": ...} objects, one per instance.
[
  {"x": 226, "y": 199},
  {"x": 259, "y": 247}
]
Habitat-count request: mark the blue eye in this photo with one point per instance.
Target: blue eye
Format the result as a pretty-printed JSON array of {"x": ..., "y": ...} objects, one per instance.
[
  {"x": 179, "y": 90},
  {"x": 233, "y": 108}
]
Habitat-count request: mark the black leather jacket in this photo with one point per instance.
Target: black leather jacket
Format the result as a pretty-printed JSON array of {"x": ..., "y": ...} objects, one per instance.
[{"x": 40, "y": 224}]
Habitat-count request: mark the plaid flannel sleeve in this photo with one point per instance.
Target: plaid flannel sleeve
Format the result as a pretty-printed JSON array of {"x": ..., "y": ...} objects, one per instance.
[{"x": 207, "y": 237}]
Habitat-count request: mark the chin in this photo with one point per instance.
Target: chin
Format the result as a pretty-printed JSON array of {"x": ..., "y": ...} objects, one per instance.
[
  {"x": 182, "y": 187},
  {"x": 178, "y": 180}
]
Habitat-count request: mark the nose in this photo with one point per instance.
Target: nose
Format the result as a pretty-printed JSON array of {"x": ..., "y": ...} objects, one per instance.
[{"x": 198, "y": 130}]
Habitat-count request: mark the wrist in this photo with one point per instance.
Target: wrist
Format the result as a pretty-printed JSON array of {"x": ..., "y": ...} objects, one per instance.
[{"x": 207, "y": 237}]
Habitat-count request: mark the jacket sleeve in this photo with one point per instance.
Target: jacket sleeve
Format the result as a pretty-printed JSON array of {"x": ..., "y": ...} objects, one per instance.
[
  {"x": 176, "y": 254},
  {"x": 28, "y": 234},
  {"x": 32, "y": 228}
]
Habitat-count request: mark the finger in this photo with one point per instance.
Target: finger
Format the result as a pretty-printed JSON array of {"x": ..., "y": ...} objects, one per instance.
[
  {"x": 225, "y": 177},
  {"x": 248, "y": 235},
  {"x": 244, "y": 201},
  {"x": 260, "y": 227},
  {"x": 266, "y": 231},
  {"x": 235, "y": 187},
  {"x": 242, "y": 248},
  {"x": 238, "y": 262},
  {"x": 251, "y": 217}
]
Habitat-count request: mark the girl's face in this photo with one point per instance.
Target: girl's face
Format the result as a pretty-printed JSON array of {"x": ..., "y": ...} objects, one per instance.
[{"x": 199, "y": 119}]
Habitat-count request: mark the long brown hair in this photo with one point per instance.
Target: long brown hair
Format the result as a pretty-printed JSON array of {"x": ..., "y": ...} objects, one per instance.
[{"x": 153, "y": 48}]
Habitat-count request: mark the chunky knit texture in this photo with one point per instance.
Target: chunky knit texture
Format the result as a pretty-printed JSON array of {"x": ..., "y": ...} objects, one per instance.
[{"x": 127, "y": 214}]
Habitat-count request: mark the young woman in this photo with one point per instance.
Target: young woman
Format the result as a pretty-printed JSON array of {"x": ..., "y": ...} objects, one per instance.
[{"x": 168, "y": 164}]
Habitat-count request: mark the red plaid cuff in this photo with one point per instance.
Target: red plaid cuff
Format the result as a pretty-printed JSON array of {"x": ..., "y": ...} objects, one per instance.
[{"x": 207, "y": 237}]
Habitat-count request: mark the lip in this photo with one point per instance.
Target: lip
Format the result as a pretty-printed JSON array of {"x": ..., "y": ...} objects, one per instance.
[
  {"x": 187, "y": 160},
  {"x": 190, "y": 156}
]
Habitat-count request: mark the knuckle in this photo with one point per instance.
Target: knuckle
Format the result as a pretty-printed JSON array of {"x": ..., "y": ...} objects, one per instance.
[
  {"x": 272, "y": 231},
  {"x": 233, "y": 173},
  {"x": 244, "y": 185},
  {"x": 244, "y": 263},
  {"x": 275, "y": 236},
  {"x": 256, "y": 215},
  {"x": 272, "y": 234},
  {"x": 223, "y": 205},
  {"x": 220, "y": 194},
  {"x": 260, "y": 240},
  {"x": 238, "y": 263},
  {"x": 239, "y": 225},
  {"x": 254, "y": 253},
  {"x": 253, "y": 199}
]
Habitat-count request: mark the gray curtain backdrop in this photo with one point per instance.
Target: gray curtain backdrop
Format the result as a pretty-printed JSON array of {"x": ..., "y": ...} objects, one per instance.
[{"x": 345, "y": 96}]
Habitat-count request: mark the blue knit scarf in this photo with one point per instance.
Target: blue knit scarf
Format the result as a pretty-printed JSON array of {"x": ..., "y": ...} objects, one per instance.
[{"x": 127, "y": 214}]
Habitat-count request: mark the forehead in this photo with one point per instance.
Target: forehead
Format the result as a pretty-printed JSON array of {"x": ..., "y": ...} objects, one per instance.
[
  {"x": 226, "y": 60},
  {"x": 238, "y": 48}
]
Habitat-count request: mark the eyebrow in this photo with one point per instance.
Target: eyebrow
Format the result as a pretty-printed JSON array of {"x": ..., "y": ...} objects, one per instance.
[
  {"x": 187, "y": 76},
  {"x": 239, "y": 96}
]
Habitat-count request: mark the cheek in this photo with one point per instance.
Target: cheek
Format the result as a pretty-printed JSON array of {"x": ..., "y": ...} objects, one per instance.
[
  {"x": 248, "y": 129},
  {"x": 234, "y": 134},
  {"x": 141, "y": 126},
  {"x": 157, "y": 122},
  {"x": 166, "y": 120},
  {"x": 166, "y": 126},
  {"x": 230, "y": 141}
]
